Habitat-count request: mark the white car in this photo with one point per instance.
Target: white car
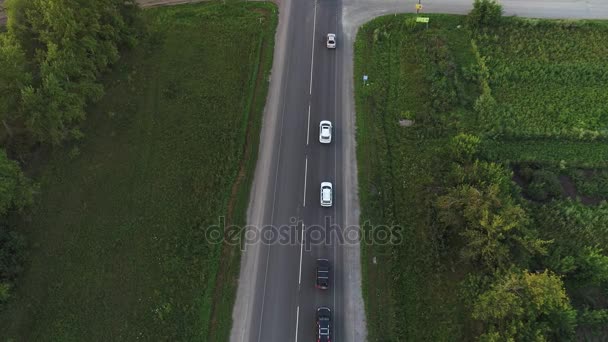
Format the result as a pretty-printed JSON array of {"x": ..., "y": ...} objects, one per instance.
[
  {"x": 331, "y": 41},
  {"x": 326, "y": 194},
  {"x": 325, "y": 129}
]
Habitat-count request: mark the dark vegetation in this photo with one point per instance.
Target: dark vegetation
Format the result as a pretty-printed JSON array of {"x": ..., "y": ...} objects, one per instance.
[
  {"x": 50, "y": 60},
  {"x": 501, "y": 206},
  {"x": 139, "y": 129}
]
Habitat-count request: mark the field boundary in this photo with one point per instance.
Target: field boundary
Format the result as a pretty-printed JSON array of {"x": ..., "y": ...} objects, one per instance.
[{"x": 227, "y": 277}]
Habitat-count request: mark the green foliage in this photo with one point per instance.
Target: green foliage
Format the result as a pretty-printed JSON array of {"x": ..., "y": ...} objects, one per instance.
[
  {"x": 544, "y": 185},
  {"x": 12, "y": 248},
  {"x": 398, "y": 166},
  {"x": 441, "y": 72},
  {"x": 524, "y": 306},
  {"x": 4, "y": 292},
  {"x": 464, "y": 147},
  {"x": 579, "y": 232},
  {"x": 479, "y": 208},
  {"x": 592, "y": 183},
  {"x": 485, "y": 13},
  {"x": 13, "y": 77},
  {"x": 547, "y": 79},
  {"x": 15, "y": 189},
  {"x": 593, "y": 318},
  {"x": 454, "y": 199},
  {"x": 545, "y": 151},
  {"x": 593, "y": 265},
  {"x": 72, "y": 43},
  {"x": 118, "y": 232}
]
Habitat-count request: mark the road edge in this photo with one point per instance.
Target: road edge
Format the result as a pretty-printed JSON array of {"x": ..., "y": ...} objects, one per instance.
[{"x": 243, "y": 307}]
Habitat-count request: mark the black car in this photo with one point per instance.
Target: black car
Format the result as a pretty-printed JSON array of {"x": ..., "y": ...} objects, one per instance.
[
  {"x": 323, "y": 324},
  {"x": 322, "y": 274}
]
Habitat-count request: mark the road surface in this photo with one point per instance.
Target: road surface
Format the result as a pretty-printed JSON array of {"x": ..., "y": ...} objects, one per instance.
[{"x": 276, "y": 297}]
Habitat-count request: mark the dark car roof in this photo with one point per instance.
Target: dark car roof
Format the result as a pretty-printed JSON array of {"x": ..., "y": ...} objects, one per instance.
[
  {"x": 323, "y": 273},
  {"x": 323, "y": 313},
  {"x": 324, "y": 322}
]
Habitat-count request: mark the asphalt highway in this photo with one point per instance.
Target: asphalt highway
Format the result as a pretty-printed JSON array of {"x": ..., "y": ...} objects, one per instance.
[
  {"x": 276, "y": 299},
  {"x": 286, "y": 299}
]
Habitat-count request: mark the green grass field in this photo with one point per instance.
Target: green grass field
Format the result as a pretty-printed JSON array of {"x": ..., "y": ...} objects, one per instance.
[
  {"x": 414, "y": 291},
  {"x": 117, "y": 235},
  {"x": 409, "y": 295},
  {"x": 549, "y": 80}
]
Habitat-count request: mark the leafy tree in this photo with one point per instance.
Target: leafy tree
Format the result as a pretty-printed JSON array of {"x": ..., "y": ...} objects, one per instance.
[
  {"x": 15, "y": 190},
  {"x": 485, "y": 13},
  {"x": 593, "y": 265},
  {"x": 593, "y": 318},
  {"x": 74, "y": 41},
  {"x": 18, "y": 24},
  {"x": 544, "y": 185},
  {"x": 524, "y": 306},
  {"x": 13, "y": 77},
  {"x": 578, "y": 231},
  {"x": 464, "y": 147},
  {"x": 4, "y": 292},
  {"x": 480, "y": 209}
]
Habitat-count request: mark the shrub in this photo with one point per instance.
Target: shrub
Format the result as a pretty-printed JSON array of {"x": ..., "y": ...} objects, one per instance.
[
  {"x": 464, "y": 147},
  {"x": 4, "y": 292},
  {"x": 12, "y": 246},
  {"x": 485, "y": 13},
  {"x": 15, "y": 189},
  {"x": 544, "y": 185}
]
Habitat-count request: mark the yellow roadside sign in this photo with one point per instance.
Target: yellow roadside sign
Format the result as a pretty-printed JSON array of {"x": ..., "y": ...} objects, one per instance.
[
  {"x": 422, "y": 19},
  {"x": 418, "y": 7}
]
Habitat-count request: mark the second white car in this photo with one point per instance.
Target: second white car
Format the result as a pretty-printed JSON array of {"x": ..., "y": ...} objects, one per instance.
[
  {"x": 326, "y": 194},
  {"x": 325, "y": 130},
  {"x": 331, "y": 41}
]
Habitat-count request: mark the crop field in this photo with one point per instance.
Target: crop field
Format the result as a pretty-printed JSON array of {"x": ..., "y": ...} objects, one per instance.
[
  {"x": 547, "y": 144},
  {"x": 548, "y": 80},
  {"x": 117, "y": 235}
]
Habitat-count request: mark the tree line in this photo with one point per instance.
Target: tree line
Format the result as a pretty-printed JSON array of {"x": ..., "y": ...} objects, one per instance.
[{"x": 52, "y": 54}]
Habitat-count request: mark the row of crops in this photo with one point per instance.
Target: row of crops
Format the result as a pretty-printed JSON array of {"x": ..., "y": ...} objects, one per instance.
[
  {"x": 498, "y": 188},
  {"x": 548, "y": 79}
]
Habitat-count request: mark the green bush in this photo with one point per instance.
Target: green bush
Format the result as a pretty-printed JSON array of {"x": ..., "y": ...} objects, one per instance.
[
  {"x": 4, "y": 292},
  {"x": 464, "y": 147},
  {"x": 485, "y": 13},
  {"x": 12, "y": 247},
  {"x": 15, "y": 189},
  {"x": 544, "y": 185}
]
